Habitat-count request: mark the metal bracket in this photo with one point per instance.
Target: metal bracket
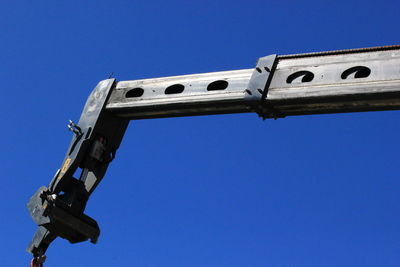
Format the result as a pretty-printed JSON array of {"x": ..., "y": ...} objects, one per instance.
[
  {"x": 74, "y": 128},
  {"x": 257, "y": 89},
  {"x": 261, "y": 77},
  {"x": 58, "y": 209}
]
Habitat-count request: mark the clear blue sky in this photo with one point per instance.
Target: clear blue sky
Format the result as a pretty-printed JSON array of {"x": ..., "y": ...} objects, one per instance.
[{"x": 227, "y": 190}]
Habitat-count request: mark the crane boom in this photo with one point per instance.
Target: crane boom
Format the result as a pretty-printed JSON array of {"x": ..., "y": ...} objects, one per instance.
[{"x": 327, "y": 82}]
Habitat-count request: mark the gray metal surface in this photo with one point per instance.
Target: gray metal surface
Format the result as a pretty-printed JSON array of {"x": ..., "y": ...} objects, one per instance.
[
  {"x": 193, "y": 100},
  {"x": 336, "y": 81}
]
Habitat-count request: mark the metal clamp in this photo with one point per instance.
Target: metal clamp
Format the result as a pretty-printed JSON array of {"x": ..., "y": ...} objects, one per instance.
[
  {"x": 257, "y": 89},
  {"x": 74, "y": 128}
]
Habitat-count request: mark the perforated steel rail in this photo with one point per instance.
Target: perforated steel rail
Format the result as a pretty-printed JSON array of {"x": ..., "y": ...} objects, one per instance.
[{"x": 325, "y": 82}]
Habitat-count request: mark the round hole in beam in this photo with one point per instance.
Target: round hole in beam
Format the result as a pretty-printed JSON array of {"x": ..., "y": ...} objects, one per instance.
[
  {"x": 135, "y": 92},
  {"x": 217, "y": 85},
  {"x": 174, "y": 89}
]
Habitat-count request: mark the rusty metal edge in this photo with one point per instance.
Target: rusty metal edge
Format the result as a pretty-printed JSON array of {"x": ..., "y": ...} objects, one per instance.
[{"x": 339, "y": 52}]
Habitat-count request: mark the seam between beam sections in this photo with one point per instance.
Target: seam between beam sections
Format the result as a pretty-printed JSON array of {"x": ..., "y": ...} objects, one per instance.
[{"x": 257, "y": 89}]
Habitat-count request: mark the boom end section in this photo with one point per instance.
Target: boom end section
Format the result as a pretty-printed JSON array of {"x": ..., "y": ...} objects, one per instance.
[{"x": 56, "y": 219}]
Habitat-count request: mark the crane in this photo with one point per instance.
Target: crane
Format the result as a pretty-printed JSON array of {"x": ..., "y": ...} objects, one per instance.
[{"x": 353, "y": 80}]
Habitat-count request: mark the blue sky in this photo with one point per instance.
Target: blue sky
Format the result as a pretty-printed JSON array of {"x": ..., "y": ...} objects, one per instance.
[{"x": 226, "y": 190}]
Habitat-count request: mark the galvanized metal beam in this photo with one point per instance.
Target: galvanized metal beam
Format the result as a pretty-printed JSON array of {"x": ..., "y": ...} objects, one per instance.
[{"x": 327, "y": 82}]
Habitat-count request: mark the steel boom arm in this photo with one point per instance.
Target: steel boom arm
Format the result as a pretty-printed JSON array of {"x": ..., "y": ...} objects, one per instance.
[{"x": 328, "y": 82}]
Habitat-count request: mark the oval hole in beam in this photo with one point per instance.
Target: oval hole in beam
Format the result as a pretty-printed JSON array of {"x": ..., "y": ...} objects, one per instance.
[
  {"x": 174, "y": 89},
  {"x": 135, "y": 92},
  {"x": 217, "y": 85}
]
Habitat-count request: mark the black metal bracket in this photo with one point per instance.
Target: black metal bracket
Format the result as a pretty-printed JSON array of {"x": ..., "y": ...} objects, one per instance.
[{"x": 58, "y": 209}]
